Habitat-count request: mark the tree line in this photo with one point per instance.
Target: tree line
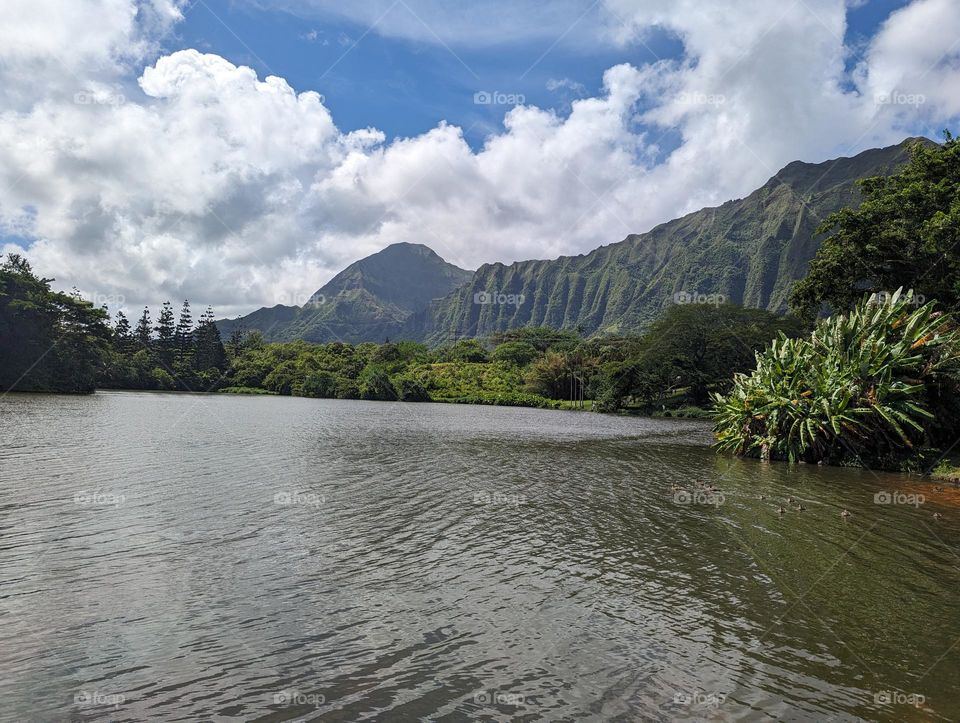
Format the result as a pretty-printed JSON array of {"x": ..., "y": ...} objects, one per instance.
[
  {"x": 52, "y": 341},
  {"x": 172, "y": 354},
  {"x": 859, "y": 384}
]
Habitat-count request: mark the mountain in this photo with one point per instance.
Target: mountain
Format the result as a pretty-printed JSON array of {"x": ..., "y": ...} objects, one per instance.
[
  {"x": 749, "y": 250},
  {"x": 368, "y": 301}
]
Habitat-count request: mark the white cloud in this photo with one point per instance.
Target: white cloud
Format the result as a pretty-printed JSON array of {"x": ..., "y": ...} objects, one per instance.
[
  {"x": 202, "y": 181},
  {"x": 915, "y": 61}
]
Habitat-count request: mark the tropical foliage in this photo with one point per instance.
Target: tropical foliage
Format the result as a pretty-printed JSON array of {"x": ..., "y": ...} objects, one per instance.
[
  {"x": 873, "y": 387},
  {"x": 692, "y": 350}
]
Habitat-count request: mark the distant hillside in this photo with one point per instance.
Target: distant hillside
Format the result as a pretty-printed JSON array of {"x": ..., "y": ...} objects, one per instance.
[
  {"x": 368, "y": 301},
  {"x": 749, "y": 250}
]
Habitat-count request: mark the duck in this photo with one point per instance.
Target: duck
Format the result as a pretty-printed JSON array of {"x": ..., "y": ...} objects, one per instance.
[
  {"x": 801, "y": 508},
  {"x": 937, "y": 516},
  {"x": 763, "y": 497},
  {"x": 844, "y": 514},
  {"x": 790, "y": 500},
  {"x": 781, "y": 511}
]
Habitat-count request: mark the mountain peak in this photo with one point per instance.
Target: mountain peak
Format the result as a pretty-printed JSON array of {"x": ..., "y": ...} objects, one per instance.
[
  {"x": 368, "y": 300},
  {"x": 814, "y": 177}
]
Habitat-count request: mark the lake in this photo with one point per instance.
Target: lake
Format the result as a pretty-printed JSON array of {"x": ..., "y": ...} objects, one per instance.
[{"x": 188, "y": 557}]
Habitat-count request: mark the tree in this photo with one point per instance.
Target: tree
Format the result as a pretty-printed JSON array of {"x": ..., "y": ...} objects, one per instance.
[
  {"x": 144, "y": 329},
  {"x": 320, "y": 385},
  {"x": 466, "y": 350},
  {"x": 376, "y": 385},
  {"x": 49, "y": 341},
  {"x": 694, "y": 347},
  {"x": 906, "y": 233},
  {"x": 166, "y": 334},
  {"x": 183, "y": 341},
  {"x": 540, "y": 337},
  {"x": 208, "y": 352},
  {"x": 518, "y": 353},
  {"x": 123, "y": 339},
  {"x": 551, "y": 376}
]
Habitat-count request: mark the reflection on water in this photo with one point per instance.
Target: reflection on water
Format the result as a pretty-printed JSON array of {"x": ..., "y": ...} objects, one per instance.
[{"x": 183, "y": 557}]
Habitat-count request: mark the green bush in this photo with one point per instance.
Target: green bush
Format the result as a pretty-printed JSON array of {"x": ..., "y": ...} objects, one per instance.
[
  {"x": 319, "y": 385},
  {"x": 864, "y": 388},
  {"x": 410, "y": 390},
  {"x": 376, "y": 386},
  {"x": 519, "y": 353}
]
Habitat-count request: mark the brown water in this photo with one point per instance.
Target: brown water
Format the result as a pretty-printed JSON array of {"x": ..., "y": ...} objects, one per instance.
[{"x": 180, "y": 557}]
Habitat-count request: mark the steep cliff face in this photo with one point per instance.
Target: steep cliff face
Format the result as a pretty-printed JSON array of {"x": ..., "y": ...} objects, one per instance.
[{"x": 750, "y": 251}]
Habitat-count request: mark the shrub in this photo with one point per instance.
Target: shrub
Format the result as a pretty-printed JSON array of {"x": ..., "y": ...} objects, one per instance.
[
  {"x": 519, "y": 353},
  {"x": 375, "y": 385},
  {"x": 410, "y": 390},
  {"x": 864, "y": 387},
  {"x": 319, "y": 385}
]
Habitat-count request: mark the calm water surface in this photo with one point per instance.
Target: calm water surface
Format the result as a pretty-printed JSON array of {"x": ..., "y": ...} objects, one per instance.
[{"x": 180, "y": 557}]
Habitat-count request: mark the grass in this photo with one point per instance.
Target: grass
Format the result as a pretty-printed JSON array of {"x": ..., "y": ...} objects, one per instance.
[
  {"x": 244, "y": 390},
  {"x": 946, "y": 471}
]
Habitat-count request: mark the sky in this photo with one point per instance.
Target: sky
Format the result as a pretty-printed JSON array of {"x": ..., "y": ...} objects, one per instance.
[{"x": 239, "y": 153}]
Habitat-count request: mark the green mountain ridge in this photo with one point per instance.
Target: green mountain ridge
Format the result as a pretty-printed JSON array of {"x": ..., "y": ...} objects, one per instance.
[
  {"x": 369, "y": 300},
  {"x": 748, "y": 251}
]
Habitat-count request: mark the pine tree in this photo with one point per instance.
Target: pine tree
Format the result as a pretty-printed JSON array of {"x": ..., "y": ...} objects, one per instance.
[
  {"x": 144, "y": 329},
  {"x": 237, "y": 336},
  {"x": 122, "y": 334},
  {"x": 209, "y": 352},
  {"x": 183, "y": 341},
  {"x": 166, "y": 333}
]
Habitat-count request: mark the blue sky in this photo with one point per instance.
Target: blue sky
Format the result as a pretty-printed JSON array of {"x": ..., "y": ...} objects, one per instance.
[
  {"x": 405, "y": 86},
  {"x": 147, "y": 153}
]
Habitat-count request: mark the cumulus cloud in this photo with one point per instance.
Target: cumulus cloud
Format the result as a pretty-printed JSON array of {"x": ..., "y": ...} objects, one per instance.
[{"x": 185, "y": 176}]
